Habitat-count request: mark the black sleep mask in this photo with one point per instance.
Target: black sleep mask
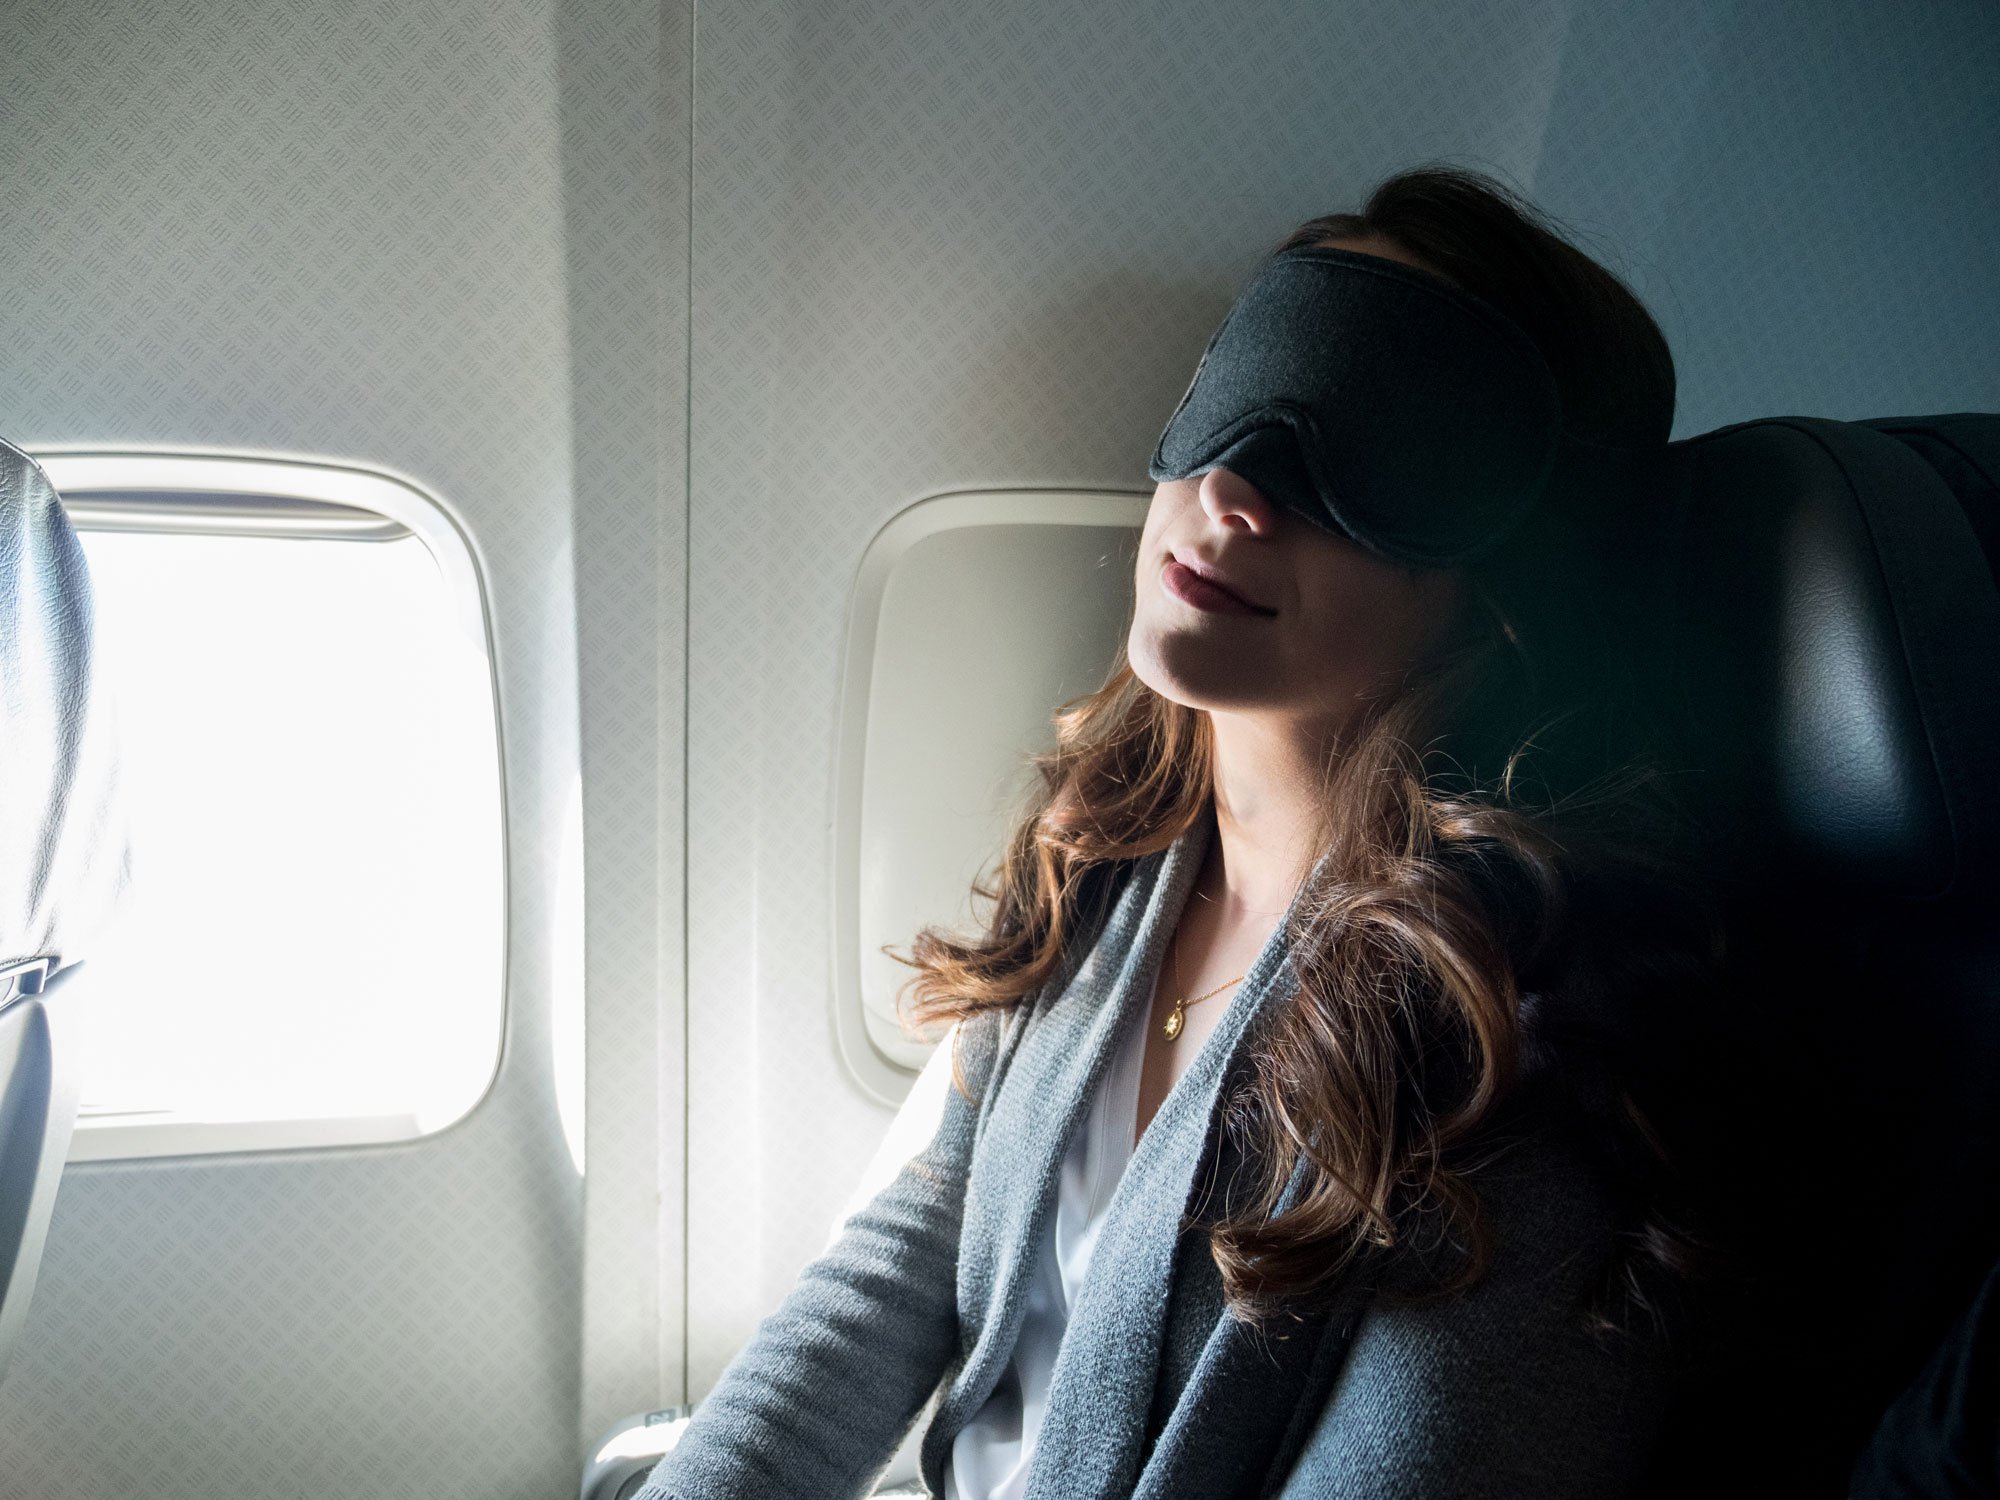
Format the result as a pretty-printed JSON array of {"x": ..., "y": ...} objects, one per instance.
[{"x": 1380, "y": 402}]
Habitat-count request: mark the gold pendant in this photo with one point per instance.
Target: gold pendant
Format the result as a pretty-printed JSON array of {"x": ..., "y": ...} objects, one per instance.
[{"x": 1173, "y": 1027}]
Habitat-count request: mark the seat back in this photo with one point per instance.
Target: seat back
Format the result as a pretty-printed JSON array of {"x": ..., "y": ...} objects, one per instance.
[
  {"x": 1831, "y": 641},
  {"x": 61, "y": 857}
]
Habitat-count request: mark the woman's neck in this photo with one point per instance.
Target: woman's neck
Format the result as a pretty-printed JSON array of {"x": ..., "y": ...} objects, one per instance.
[{"x": 1267, "y": 780}]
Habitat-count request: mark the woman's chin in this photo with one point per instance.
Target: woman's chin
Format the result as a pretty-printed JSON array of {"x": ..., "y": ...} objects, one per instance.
[{"x": 1182, "y": 672}]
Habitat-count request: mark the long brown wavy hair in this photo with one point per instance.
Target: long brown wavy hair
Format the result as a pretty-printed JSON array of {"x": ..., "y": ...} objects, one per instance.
[{"x": 1509, "y": 889}]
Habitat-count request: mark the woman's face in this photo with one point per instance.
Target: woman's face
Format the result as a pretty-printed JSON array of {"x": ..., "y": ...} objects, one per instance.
[{"x": 1244, "y": 607}]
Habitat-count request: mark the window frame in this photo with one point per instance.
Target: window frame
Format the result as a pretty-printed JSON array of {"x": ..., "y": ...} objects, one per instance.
[
  {"x": 138, "y": 488},
  {"x": 880, "y": 1078}
]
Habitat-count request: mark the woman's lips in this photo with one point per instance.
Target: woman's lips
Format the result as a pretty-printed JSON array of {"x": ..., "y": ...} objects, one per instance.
[{"x": 1206, "y": 594}]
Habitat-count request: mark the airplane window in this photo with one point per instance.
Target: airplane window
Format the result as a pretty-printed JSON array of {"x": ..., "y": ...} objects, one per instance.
[
  {"x": 312, "y": 952},
  {"x": 972, "y": 615}
]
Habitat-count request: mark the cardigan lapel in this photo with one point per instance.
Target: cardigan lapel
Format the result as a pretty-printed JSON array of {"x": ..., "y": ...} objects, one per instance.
[
  {"x": 1028, "y": 1115},
  {"x": 1092, "y": 1440},
  {"x": 1237, "y": 1425}
]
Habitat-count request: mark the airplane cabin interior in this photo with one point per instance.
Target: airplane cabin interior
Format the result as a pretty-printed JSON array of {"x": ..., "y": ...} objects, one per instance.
[{"x": 542, "y": 542}]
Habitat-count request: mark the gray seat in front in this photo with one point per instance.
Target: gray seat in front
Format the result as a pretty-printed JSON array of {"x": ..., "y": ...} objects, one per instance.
[{"x": 62, "y": 856}]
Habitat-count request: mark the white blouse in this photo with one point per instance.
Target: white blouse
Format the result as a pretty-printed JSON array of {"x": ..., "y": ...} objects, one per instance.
[{"x": 990, "y": 1455}]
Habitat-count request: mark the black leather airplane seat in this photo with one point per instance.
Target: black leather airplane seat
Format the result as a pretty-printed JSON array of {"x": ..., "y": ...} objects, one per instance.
[
  {"x": 1828, "y": 630},
  {"x": 62, "y": 856}
]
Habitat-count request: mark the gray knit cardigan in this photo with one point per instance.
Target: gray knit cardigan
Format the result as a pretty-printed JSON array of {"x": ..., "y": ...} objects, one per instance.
[{"x": 1157, "y": 1390}]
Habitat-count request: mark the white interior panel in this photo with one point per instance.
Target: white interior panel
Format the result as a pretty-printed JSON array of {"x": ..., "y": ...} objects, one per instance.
[{"x": 974, "y": 616}]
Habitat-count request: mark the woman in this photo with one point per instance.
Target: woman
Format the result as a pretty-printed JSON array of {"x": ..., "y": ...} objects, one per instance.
[{"x": 1294, "y": 1148}]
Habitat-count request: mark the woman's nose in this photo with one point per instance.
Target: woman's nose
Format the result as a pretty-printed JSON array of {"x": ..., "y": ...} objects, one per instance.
[{"x": 1234, "y": 502}]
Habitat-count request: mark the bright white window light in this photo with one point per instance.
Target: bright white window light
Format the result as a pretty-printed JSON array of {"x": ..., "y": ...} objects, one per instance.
[{"x": 313, "y": 948}]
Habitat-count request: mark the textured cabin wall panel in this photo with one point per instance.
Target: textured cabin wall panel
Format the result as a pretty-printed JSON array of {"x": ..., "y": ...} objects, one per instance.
[
  {"x": 1802, "y": 191},
  {"x": 625, "y": 117},
  {"x": 946, "y": 247},
  {"x": 342, "y": 229},
  {"x": 1830, "y": 242}
]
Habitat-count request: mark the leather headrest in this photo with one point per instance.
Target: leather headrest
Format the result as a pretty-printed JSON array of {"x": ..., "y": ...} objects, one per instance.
[
  {"x": 1964, "y": 448},
  {"x": 1835, "y": 629},
  {"x": 62, "y": 850}
]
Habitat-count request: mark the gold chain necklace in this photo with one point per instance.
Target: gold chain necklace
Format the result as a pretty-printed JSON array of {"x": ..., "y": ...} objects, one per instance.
[{"x": 1178, "y": 1017}]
